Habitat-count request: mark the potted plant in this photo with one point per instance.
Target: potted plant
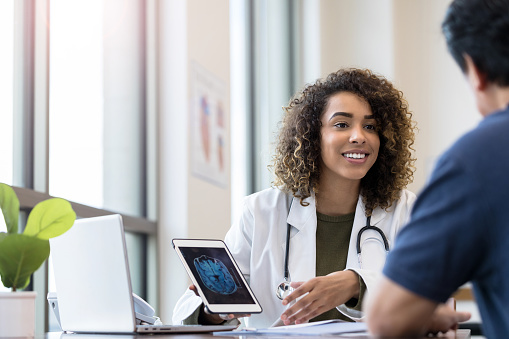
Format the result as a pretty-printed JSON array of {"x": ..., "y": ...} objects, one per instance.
[{"x": 21, "y": 254}]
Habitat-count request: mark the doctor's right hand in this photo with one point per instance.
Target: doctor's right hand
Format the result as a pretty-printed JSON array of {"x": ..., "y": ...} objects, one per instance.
[
  {"x": 319, "y": 295},
  {"x": 206, "y": 318}
]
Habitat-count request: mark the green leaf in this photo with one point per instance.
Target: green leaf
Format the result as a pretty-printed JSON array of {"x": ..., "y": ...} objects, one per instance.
[
  {"x": 20, "y": 256},
  {"x": 50, "y": 218},
  {"x": 9, "y": 204}
]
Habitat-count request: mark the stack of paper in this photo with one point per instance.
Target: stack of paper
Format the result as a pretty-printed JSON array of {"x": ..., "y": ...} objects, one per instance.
[{"x": 326, "y": 327}]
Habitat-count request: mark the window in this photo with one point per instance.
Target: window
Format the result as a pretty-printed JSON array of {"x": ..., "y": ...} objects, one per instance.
[
  {"x": 79, "y": 98},
  {"x": 6, "y": 89},
  {"x": 266, "y": 70},
  {"x": 97, "y": 111},
  {"x": 76, "y": 101},
  {"x": 6, "y": 94}
]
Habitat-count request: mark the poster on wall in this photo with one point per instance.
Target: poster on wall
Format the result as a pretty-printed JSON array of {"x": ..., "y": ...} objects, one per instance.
[{"x": 208, "y": 130}]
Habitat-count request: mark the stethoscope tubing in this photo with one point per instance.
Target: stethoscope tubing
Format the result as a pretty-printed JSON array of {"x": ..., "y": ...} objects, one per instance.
[
  {"x": 287, "y": 250},
  {"x": 369, "y": 227},
  {"x": 285, "y": 284}
]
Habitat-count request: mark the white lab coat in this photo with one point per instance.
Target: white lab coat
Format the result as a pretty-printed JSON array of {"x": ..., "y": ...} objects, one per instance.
[{"x": 257, "y": 242}]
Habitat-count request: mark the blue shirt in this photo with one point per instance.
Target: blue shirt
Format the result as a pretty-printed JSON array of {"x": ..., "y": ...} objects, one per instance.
[{"x": 459, "y": 228}]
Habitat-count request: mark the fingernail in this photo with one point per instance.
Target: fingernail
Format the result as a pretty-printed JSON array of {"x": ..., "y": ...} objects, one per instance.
[
  {"x": 283, "y": 317},
  {"x": 285, "y": 302}
]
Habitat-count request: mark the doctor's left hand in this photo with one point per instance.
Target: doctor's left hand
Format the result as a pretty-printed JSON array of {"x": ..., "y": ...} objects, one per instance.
[
  {"x": 320, "y": 294},
  {"x": 206, "y": 318}
]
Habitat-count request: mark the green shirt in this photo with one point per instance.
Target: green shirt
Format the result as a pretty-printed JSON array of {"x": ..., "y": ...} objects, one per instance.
[{"x": 332, "y": 242}]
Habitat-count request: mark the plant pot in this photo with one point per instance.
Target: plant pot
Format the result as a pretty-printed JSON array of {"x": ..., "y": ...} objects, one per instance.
[{"x": 17, "y": 314}]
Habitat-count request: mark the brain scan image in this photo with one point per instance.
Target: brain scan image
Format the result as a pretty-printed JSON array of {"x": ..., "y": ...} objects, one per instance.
[{"x": 214, "y": 275}]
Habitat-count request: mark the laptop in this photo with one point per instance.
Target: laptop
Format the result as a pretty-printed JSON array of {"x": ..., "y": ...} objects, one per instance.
[{"x": 93, "y": 283}]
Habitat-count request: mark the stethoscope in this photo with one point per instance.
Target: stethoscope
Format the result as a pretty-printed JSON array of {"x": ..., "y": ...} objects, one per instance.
[{"x": 284, "y": 288}]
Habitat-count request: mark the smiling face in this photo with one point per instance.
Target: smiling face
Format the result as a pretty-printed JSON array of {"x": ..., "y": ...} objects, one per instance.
[{"x": 349, "y": 140}]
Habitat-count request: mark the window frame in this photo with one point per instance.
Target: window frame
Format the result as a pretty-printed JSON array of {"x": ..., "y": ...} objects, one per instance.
[{"x": 31, "y": 140}]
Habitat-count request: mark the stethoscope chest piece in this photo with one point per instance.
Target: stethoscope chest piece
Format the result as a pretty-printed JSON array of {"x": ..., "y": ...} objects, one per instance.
[{"x": 283, "y": 290}]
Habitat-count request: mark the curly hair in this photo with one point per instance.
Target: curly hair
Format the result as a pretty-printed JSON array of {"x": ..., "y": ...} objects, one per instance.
[{"x": 296, "y": 162}]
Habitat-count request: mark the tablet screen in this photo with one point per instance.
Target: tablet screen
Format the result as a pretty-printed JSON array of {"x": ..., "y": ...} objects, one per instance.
[{"x": 217, "y": 275}]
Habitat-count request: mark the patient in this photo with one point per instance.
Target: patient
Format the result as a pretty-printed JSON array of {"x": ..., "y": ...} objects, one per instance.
[
  {"x": 459, "y": 230},
  {"x": 342, "y": 161}
]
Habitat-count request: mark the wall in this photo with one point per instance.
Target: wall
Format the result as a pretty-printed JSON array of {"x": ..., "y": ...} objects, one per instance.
[
  {"x": 356, "y": 34},
  {"x": 192, "y": 31},
  {"x": 209, "y": 46},
  {"x": 431, "y": 81},
  {"x": 402, "y": 40}
]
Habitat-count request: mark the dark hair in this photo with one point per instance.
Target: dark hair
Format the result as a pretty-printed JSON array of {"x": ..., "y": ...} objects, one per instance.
[
  {"x": 297, "y": 156},
  {"x": 480, "y": 28}
]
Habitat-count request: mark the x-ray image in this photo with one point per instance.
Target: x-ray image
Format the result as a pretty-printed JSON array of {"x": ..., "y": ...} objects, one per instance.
[
  {"x": 215, "y": 272},
  {"x": 215, "y": 275}
]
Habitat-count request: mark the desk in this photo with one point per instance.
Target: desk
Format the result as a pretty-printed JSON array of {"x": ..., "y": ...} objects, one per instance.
[{"x": 460, "y": 334}]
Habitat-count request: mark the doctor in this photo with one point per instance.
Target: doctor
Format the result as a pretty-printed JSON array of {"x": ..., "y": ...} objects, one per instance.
[{"x": 342, "y": 163}]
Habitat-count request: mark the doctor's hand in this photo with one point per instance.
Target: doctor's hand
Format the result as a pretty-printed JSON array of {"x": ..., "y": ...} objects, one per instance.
[
  {"x": 320, "y": 294},
  {"x": 206, "y": 318}
]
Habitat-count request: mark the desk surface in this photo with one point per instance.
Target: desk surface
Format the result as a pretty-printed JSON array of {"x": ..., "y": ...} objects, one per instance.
[{"x": 459, "y": 334}]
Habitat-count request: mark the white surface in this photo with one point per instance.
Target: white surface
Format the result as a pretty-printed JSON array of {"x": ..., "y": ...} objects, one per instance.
[
  {"x": 469, "y": 306},
  {"x": 326, "y": 327}
]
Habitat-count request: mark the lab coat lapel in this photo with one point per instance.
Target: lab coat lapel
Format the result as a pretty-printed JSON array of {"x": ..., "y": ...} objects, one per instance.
[{"x": 302, "y": 258}]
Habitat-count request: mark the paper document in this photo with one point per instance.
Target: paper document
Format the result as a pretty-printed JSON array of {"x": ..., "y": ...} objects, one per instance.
[{"x": 326, "y": 327}]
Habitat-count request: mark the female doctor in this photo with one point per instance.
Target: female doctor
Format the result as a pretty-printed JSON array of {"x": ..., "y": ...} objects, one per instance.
[{"x": 342, "y": 163}]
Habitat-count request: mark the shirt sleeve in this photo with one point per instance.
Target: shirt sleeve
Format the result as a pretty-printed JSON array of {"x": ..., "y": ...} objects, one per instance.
[
  {"x": 353, "y": 308},
  {"x": 192, "y": 319},
  {"x": 442, "y": 246}
]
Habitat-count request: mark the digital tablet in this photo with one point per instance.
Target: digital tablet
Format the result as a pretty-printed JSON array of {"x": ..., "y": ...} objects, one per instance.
[{"x": 217, "y": 277}]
